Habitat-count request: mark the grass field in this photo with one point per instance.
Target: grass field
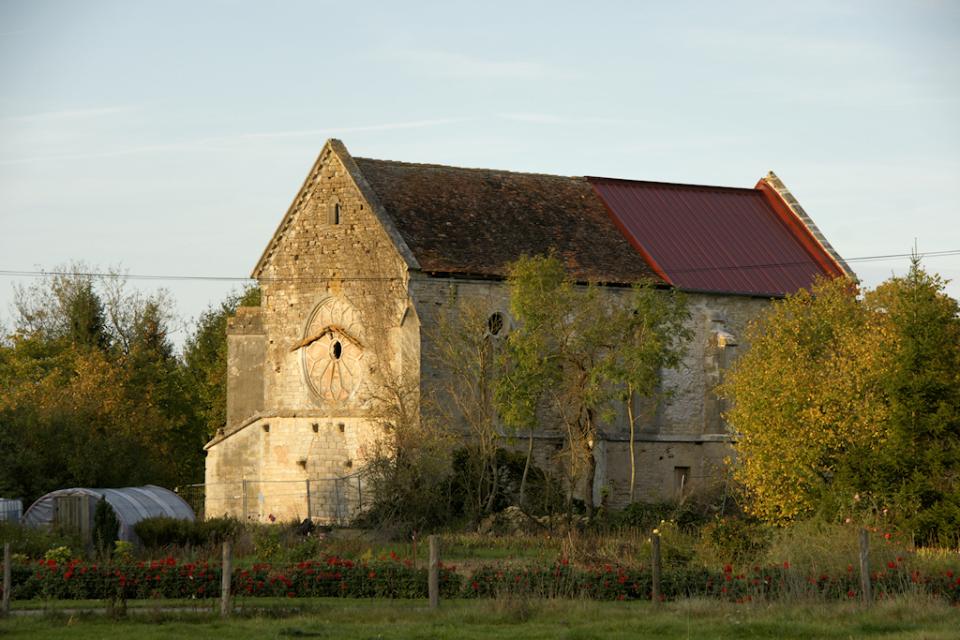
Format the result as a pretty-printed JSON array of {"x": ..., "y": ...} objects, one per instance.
[{"x": 502, "y": 618}]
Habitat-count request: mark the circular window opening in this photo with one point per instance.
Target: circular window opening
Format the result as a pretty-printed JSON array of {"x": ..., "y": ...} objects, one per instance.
[
  {"x": 336, "y": 350},
  {"x": 495, "y": 323}
]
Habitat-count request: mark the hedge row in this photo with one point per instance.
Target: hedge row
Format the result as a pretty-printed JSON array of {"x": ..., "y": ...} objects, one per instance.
[{"x": 391, "y": 578}]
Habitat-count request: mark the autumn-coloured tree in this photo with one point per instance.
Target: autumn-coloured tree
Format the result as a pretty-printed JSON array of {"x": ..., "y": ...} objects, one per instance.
[
  {"x": 843, "y": 404},
  {"x": 93, "y": 391}
]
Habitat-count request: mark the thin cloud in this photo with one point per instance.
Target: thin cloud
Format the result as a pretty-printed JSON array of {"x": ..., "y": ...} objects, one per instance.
[
  {"x": 68, "y": 114},
  {"x": 387, "y": 126},
  {"x": 554, "y": 119},
  {"x": 451, "y": 64},
  {"x": 221, "y": 142}
]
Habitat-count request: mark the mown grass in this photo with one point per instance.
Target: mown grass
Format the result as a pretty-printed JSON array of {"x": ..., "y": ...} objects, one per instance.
[{"x": 907, "y": 618}]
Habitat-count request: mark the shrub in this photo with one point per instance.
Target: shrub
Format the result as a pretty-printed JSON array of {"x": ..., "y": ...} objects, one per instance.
[
  {"x": 106, "y": 527},
  {"x": 162, "y": 531},
  {"x": 34, "y": 542},
  {"x": 734, "y": 540},
  {"x": 216, "y": 530}
]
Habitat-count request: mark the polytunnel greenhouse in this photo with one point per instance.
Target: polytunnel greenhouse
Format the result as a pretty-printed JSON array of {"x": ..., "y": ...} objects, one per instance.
[{"x": 73, "y": 509}]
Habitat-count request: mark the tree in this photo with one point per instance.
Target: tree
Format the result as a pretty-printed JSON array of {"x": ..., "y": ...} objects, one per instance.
[
  {"x": 408, "y": 467},
  {"x": 840, "y": 398},
  {"x": 65, "y": 307},
  {"x": 917, "y": 470},
  {"x": 576, "y": 351},
  {"x": 654, "y": 331},
  {"x": 94, "y": 394},
  {"x": 463, "y": 347},
  {"x": 205, "y": 360}
]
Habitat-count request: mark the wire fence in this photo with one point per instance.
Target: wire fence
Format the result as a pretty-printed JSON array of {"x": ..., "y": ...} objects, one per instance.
[
  {"x": 390, "y": 576},
  {"x": 332, "y": 501}
]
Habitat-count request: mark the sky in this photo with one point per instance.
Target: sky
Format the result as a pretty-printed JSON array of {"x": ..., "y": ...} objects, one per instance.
[{"x": 169, "y": 138}]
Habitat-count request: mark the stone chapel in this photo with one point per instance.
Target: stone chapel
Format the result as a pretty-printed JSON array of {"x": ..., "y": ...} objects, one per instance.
[{"x": 371, "y": 251}]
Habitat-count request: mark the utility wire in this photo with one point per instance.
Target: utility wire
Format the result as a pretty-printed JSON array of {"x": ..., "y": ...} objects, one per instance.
[{"x": 127, "y": 276}]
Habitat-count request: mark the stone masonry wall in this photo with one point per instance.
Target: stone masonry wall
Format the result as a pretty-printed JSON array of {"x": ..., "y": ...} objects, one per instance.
[
  {"x": 684, "y": 437},
  {"x": 316, "y": 258}
]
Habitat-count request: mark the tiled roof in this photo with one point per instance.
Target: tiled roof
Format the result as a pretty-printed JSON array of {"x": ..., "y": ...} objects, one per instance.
[{"x": 476, "y": 221}]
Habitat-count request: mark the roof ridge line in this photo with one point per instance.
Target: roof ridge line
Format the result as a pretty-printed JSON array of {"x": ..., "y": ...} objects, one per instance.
[
  {"x": 433, "y": 165},
  {"x": 682, "y": 185}
]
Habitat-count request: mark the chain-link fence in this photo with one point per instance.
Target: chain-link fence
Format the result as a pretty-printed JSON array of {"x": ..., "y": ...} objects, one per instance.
[{"x": 324, "y": 500}]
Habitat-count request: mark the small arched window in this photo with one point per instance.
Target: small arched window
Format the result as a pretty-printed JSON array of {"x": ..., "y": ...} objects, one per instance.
[{"x": 335, "y": 214}]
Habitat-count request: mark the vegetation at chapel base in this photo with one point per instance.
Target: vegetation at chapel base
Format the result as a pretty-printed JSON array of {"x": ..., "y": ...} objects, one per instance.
[
  {"x": 576, "y": 356},
  {"x": 849, "y": 407}
]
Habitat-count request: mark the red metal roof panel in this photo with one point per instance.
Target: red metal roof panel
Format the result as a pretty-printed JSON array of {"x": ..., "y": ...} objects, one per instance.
[{"x": 716, "y": 239}]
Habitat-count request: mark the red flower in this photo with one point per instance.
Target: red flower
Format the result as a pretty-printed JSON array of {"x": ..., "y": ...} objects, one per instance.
[
  {"x": 891, "y": 565},
  {"x": 851, "y": 593},
  {"x": 727, "y": 568},
  {"x": 372, "y": 575},
  {"x": 849, "y": 568},
  {"x": 475, "y": 586},
  {"x": 786, "y": 565}
]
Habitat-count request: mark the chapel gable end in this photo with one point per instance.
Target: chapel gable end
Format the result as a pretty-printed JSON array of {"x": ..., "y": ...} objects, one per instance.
[{"x": 331, "y": 230}]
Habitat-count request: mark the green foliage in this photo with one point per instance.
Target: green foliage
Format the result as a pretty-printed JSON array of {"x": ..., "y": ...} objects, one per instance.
[
  {"x": 94, "y": 394},
  {"x": 59, "y": 555},
  {"x": 851, "y": 409},
  {"x": 162, "y": 532},
  {"x": 916, "y": 471},
  {"x": 408, "y": 471},
  {"x": 734, "y": 540},
  {"x": 205, "y": 359},
  {"x": 123, "y": 551},
  {"x": 34, "y": 542},
  {"x": 576, "y": 352},
  {"x": 544, "y": 495},
  {"x": 106, "y": 527}
]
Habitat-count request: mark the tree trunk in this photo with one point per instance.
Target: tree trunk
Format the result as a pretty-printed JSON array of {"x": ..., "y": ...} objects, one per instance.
[
  {"x": 633, "y": 454},
  {"x": 591, "y": 472},
  {"x": 526, "y": 470},
  {"x": 494, "y": 485}
]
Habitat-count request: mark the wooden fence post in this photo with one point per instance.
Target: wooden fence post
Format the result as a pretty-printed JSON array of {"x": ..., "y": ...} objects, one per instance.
[
  {"x": 655, "y": 567},
  {"x": 7, "y": 579},
  {"x": 433, "y": 583},
  {"x": 865, "y": 586},
  {"x": 226, "y": 570}
]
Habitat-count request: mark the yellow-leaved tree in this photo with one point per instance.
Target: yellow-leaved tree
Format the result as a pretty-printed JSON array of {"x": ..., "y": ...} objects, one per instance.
[{"x": 808, "y": 393}]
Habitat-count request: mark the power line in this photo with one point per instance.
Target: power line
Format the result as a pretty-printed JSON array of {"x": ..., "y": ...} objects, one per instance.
[{"x": 136, "y": 276}]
